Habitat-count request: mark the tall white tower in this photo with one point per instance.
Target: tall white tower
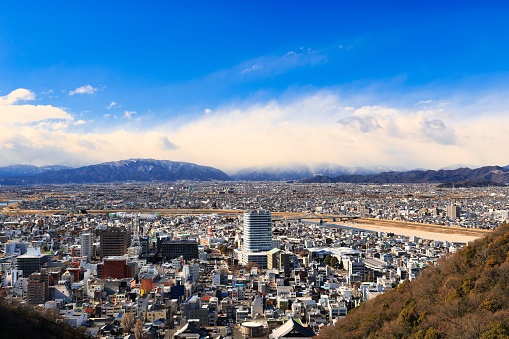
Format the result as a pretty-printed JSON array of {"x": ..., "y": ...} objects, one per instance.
[
  {"x": 257, "y": 231},
  {"x": 86, "y": 245}
]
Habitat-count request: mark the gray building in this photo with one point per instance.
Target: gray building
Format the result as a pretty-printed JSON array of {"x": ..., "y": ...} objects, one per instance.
[{"x": 31, "y": 263}]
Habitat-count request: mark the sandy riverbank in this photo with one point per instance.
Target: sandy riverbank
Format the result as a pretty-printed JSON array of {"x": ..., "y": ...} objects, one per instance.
[{"x": 433, "y": 235}]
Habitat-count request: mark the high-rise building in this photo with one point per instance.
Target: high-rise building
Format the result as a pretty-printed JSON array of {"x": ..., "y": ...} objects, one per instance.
[
  {"x": 38, "y": 287},
  {"x": 257, "y": 237},
  {"x": 86, "y": 245},
  {"x": 257, "y": 231},
  {"x": 114, "y": 241},
  {"x": 453, "y": 211}
]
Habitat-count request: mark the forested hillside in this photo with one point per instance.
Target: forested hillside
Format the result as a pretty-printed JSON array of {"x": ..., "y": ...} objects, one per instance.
[
  {"x": 465, "y": 296},
  {"x": 18, "y": 321}
]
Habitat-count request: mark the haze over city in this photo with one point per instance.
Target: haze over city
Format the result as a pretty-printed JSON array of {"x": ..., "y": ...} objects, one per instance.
[{"x": 413, "y": 85}]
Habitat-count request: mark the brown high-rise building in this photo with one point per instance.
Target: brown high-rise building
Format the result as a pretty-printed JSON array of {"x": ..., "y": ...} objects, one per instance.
[
  {"x": 114, "y": 241},
  {"x": 38, "y": 288},
  {"x": 277, "y": 259}
]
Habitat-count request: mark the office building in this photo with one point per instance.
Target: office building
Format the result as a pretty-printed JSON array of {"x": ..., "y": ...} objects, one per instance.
[
  {"x": 194, "y": 311},
  {"x": 31, "y": 263},
  {"x": 171, "y": 249},
  {"x": 114, "y": 241}
]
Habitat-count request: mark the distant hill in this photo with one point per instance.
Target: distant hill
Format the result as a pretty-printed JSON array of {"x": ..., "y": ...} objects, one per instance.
[
  {"x": 27, "y": 170},
  {"x": 299, "y": 171},
  {"x": 494, "y": 174},
  {"x": 166, "y": 170},
  {"x": 124, "y": 170},
  {"x": 470, "y": 183},
  {"x": 465, "y": 296}
]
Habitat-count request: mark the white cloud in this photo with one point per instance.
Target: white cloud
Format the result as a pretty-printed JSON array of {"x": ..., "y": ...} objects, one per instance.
[
  {"x": 20, "y": 94},
  {"x": 252, "y": 68},
  {"x": 437, "y": 131},
  {"x": 39, "y": 135},
  {"x": 106, "y": 115},
  {"x": 57, "y": 126},
  {"x": 87, "y": 89},
  {"x": 12, "y": 112},
  {"x": 424, "y": 102},
  {"x": 112, "y": 104},
  {"x": 306, "y": 129},
  {"x": 364, "y": 124},
  {"x": 167, "y": 144},
  {"x": 298, "y": 129},
  {"x": 272, "y": 65},
  {"x": 129, "y": 114}
]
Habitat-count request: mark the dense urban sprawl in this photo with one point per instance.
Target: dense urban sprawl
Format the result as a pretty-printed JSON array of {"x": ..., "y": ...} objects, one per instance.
[{"x": 219, "y": 259}]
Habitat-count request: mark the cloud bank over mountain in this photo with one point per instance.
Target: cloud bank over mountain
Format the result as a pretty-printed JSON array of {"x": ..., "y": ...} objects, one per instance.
[{"x": 316, "y": 126}]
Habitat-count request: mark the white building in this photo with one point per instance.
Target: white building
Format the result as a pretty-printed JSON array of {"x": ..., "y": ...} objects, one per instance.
[
  {"x": 257, "y": 231},
  {"x": 257, "y": 237},
  {"x": 257, "y": 306},
  {"x": 86, "y": 245}
]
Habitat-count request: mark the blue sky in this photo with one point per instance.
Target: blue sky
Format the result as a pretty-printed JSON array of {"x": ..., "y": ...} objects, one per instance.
[{"x": 230, "y": 84}]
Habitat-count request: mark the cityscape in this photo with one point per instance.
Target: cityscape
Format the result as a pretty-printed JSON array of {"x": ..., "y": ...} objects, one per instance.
[
  {"x": 272, "y": 170},
  {"x": 226, "y": 259}
]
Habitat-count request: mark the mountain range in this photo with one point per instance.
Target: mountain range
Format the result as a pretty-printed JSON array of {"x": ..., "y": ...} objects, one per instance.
[
  {"x": 144, "y": 170},
  {"x": 488, "y": 175},
  {"x": 124, "y": 170},
  {"x": 28, "y": 170}
]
